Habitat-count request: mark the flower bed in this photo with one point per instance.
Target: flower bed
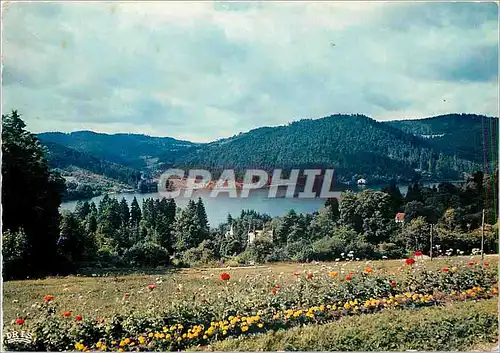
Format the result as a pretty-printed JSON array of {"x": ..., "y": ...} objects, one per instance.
[{"x": 312, "y": 298}]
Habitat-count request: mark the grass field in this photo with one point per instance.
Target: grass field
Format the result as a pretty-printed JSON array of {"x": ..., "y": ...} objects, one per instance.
[{"x": 187, "y": 296}]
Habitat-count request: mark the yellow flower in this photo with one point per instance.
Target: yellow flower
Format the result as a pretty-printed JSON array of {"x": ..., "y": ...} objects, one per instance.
[
  {"x": 142, "y": 339},
  {"x": 333, "y": 274},
  {"x": 103, "y": 347},
  {"x": 165, "y": 329},
  {"x": 260, "y": 325},
  {"x": 99, "y": 344},
  {"x": 120, "y": 349},
  {"x": 150, "y": 335},
  {"x": 244, "y": 328},
  {"x": 347, "y": 306},
  {"x": 179, "y": 339},
  {"x": 205, "y": 337},
  {"x": 127, "y": 340},
  {"x": 113, "y": 342}
]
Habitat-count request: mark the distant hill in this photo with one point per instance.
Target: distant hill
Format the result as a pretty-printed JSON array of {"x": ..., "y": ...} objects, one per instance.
[
  {"x": 354, "y": 145},
  {"x": 65, "y": 158},
  {"x": 468, "y": 136},
  {"x": 132, "y": 150},
  {"x": 438, "y": 148}
]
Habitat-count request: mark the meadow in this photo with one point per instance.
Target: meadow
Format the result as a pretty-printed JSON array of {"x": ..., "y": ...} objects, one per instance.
[{"x": 414, "y": 303}]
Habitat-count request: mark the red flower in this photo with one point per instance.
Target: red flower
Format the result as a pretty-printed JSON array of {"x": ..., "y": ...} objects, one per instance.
[
  {"x": 274, "y": 291},
  {"x": 410, "y": 261},
  {"x": 48, "y": 298},
  {"x": 348, "y": 278},
  {"x": 225, "y": 276},
  {"x": 418, "y": 253},
  {"x": 486, "y": 264},
  {"x": 67, "y": 314},
  {"x": 471, "y": 263},
  {"x": 126, "y": 295},
  {"x": 151, "y": 287},
  {"x": 19, "y": 321},
  {"x": 309, "y": 276},
  {"x": 78, "y": 318},
  {"x": 277, "y": 286},
  {"x": 445, "y": 269},
  {"x": 393, "y": 284},
  {"x": 204, "y": 300}
]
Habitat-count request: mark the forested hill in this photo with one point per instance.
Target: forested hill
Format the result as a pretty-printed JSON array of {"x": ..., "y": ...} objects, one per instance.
[
  {"x": 354, "y": 145},
  {"x": 469, "y": 136},
  {"x": 132, "y": 150},
  {"x": 63, "y": 157}
]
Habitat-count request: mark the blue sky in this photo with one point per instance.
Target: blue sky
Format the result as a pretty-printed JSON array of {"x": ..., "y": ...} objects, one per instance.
[{"x": 202, "y": 71}]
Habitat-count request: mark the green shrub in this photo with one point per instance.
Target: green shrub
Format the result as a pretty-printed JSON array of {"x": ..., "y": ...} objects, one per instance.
[{"x": 147, "y": 254}]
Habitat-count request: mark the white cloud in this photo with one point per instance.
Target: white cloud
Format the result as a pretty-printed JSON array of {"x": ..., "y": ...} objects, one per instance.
[{"x": 201, "y": 71}]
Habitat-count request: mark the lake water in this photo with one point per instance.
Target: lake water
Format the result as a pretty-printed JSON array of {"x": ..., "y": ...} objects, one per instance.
[{"x": 218, "y": 208}]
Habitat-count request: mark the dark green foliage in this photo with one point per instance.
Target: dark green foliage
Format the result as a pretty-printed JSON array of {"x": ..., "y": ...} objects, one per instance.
[
  {"x": 147, "y": 254},
  {"x": 31, "y": 195}
]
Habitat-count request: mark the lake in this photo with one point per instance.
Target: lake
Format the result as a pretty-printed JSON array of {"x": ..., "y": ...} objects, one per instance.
[{"x": 218, "y": 208}]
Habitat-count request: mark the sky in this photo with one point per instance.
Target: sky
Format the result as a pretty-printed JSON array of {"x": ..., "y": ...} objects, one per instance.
[{"x": 201, "y": 71}]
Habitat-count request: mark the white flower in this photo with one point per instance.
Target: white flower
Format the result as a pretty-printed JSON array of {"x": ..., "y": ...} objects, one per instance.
[
  {"x": 342, "y": 254},
  {"x": 337, "y": 260}
]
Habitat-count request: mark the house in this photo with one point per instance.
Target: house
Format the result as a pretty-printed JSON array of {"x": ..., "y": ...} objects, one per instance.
[
  {"x": 230, "y": 233},
  {"x": 400, "y": 217},
  {"x": 361, "y": 181},
  {"x": 257, "y": 233}
]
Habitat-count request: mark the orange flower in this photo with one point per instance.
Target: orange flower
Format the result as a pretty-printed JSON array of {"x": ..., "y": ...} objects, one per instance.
[
  {"x": 48, "y": 298},
  {"x": 368, "y": 270},
  {"x": 333, "y": 274},
  {"x": 67, "y": 313}
]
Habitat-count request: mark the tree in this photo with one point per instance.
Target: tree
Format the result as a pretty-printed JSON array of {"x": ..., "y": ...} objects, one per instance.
[
  {"x": 31, "y": 194},
  {"x": 333, "y": 204},
  {"x": 202, "y": 218},
  {"x": 395, "y": 195},
  {"x": 135, "y": 213},
  {"x": 416, "y": 234},
  {"x": 187, "y": 228},
  {"x": 73, "y": 241},
  {"x": 124, "y": 213}
]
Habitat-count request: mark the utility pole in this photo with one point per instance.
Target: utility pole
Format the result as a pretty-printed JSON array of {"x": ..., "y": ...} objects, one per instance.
[
  {"x": 430, "y": 252},
  {"x": 482, "y": 238}
]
